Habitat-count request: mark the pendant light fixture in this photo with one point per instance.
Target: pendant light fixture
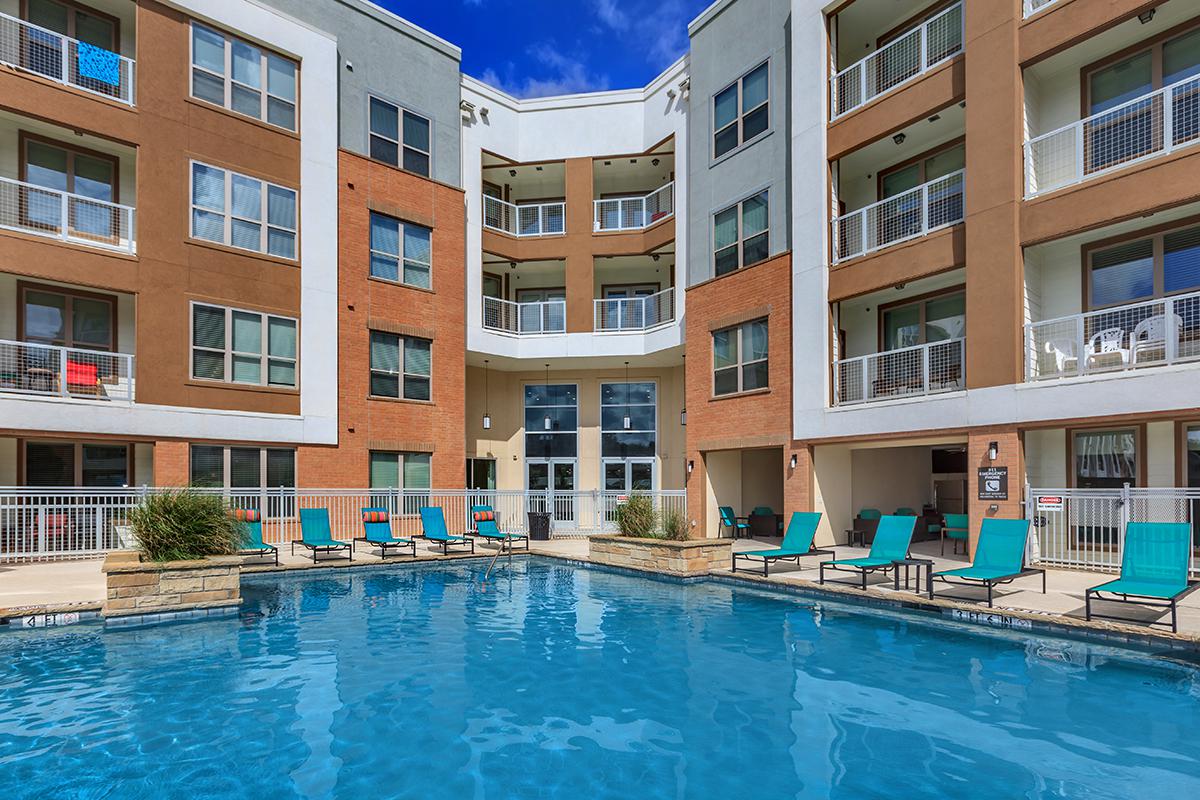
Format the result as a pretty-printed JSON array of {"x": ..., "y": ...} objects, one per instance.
[
  {"x": 683, "y": 411},
  {"x": 628, "y": 423},
  {"x": 487, "y": 418},
  {"x": 546, "y": 421}
]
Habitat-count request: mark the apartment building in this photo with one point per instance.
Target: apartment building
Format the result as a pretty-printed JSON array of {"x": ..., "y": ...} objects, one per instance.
[{"x": 840, "y": 256}]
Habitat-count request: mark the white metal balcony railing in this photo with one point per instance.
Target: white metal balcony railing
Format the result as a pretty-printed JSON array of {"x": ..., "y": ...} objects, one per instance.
[
  {"x": 1132, "y": 336},
  {"x": 545, "y": 316},
  {"x": 66, "y": 60},
  {"x": 919, "y": 370},
  {"x": 29, "y": 208},
  {"x": 914, "y": 213},
  {"x": 1031, "y": 7},
  {"x": 916, "y": 52},
  {"x": 635, "y": 213},
  {"x": 535, "y": 219},
  {"x": 43, "y": 369},
  {"x": 635, "y": 313},
  {"x": 1148, "y": 126}
]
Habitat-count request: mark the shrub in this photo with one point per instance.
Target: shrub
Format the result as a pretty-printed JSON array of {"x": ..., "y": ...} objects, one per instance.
[
  {"x": 183, "y": 525},
  {"x": 675, "y": 526},
  {"x": 638, "y": 517}
]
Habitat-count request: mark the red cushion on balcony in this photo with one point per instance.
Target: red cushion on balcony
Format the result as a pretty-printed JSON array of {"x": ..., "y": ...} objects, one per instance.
[
  {"x": 375, "y": 516},
  {"x": 657, "y": 215},
  {"x": 247, "y": 514},
  {"x": 485, "y": 516},
  {"x": 82, "y": 374}
]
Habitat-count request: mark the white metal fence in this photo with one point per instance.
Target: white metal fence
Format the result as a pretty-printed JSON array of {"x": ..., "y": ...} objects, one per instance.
[
  {"x": 635, "y": 213},
  {"x": 65, "y": 60},
  {"x": 1145, "y": 127},
  {"x": 635, "y": 313},
  {"x": 919, "y": 370},
  {"x": 899, "y": 61},
  {"x": 535, "y": 219},
  {"x": 1085, "y": 528},
  {"x": 1132, "y": 336},
  {"x": 41, "y": 523},
  {"x": 545, "y": 316},
  {"x": 29, "y": 208},
  {"x": 1031, "y": 7},
  {"x": 42, "y": 369},
  {"x": 910, "y": 214}
]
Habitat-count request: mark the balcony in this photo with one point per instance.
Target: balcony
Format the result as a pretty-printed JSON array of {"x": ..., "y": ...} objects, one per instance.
[
  {"x": 65, "y": 60},
  {"x": 634, "y": 213},
  {"x": 531, "y": 219},
  {"x": 1146, "y": 127},
  {"x": 626, "y": 314},
  {"x": 923, "y": 369},
  {"x": 908, "y": 215},
  {"x": 525, "y": 319},
  {"x": 1114, "y": 339},
  {"x": 37, "y": 210},
  {"x": 48, "y": 370},
  {"x": 902, "y": 60}
]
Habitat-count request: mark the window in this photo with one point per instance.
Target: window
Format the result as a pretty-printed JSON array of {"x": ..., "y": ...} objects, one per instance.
[
  {"x": 1155, "y": 266},
  {"x": 740, "y": 358},
  {"x": 393, "y": 376},
  {"x": 53, "y": 316},
  {"x": 237, "y": 210},
  {"x": 394, "y": 242},
  {"x": 637, "y": 403},
  {"x": 243, "y": 77},
  {"x": 481, "y": 474},
  {"x": 86, "y": 173},
  {"x": 896, "y": 180},
  {"x": 399, "y": 137},
  {"x": 239, "y": 469},
  {"x": 73, "y": 464},
  {"x": 45, "y": 55},
  {"x": 551, "y": 421},
  {"x": 934, "y": 319},
  {"x": 740, "y": 235},
  {"x": 740, "y": 111},
  {"x": 237, "y": 346},
  {"x": 409, "y": 472}
]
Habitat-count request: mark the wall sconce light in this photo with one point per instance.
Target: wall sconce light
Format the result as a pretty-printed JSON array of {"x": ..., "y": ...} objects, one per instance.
[
  {"x": 654, "y": 162},
  {"x": 512, "y": 173},
  {"x": 792, "y": 463},
  {"x": 899, "y": 138},
  {"x": 691, "y": 466},
  {"x": 546, "y": 420},
  {"x": 683, "y": 417},
  {"x": 627, "y": 423},
  {"x": 487, "y": 418},
  {"x": 993, "y": 450},
  {"x": 1146, "y": 16}
]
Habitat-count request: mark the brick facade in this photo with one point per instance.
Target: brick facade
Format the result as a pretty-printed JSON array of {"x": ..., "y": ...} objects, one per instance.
[{"x": 366, "y": 423}]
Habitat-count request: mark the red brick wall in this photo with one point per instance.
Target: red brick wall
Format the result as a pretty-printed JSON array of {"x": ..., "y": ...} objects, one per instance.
[
  {"x": 1010, "y": 454},
  {"x": 759, "y": 419},
  {"x": 171, "y": 464},
  {"x": 382, "y": 424}
]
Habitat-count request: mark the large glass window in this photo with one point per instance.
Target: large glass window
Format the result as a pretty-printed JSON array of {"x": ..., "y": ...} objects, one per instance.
[
  {"x": 896, "y": 180},
  {"x": 238, "y": 469},
  {"x": 1142, "y": 269},
  {"x": 53, "y": 316},
  {"x": 400, "y": 366},
  {"x": 74, "y": 464},
  {"x": 740, "y": 234},
  {"x": 933, "y": 319},
  {"x": 551, "y": 421},
  {"x": 399, "y": 137},
  {"x": 632, "y": 403},
  {"x": 237, "y": 346},
  {"x": 240, "y": 211},
  {"x": 740, "y": 358},
  {"x": 1105, "y": 459},
  {"x": 741, "y": 111},
  {"x": 395, "y": 243},
  {"x": 88, "y": 174},
  {"x": 243, "y": 77},
  {"x": 407, "y": 472}
]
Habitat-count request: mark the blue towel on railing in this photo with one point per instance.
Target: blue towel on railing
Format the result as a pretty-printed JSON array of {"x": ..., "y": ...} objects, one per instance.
[{"x": 98, "y": 64}]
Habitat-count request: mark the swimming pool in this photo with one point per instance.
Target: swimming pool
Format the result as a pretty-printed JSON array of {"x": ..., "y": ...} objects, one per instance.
[{"x": 562, "y": 681}]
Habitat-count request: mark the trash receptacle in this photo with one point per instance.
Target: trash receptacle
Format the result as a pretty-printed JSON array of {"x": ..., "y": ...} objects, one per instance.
[{"x": 539, "y": 526}]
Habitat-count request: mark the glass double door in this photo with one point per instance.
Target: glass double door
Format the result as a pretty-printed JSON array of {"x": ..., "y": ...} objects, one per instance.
[
  {"x": 550, "y": 487},
  {"x": 629, "y": 475}
]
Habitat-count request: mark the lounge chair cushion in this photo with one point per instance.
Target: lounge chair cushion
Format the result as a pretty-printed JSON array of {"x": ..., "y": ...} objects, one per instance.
[
  {"x": 374, "y": 516},
  {"x": 246, "y": 514},
  {"x": 484, "y": 516}
]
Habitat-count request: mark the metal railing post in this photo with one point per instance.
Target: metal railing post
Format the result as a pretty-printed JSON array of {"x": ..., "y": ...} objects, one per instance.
[
  {"x": 1080, "y": 169},
  {"x": 1081, "y": 340},
  {"x": 1171, "y": 344},
  {"x": 1168, "y": 120},
  {"x": 924, "y": 208},
  {"x": 64, "y": 210}
]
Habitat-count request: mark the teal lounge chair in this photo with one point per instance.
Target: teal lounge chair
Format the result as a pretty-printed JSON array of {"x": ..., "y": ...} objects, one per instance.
[
  {"x": 999, "y": 558},
  {"x": 316, "y": 536},
  {"x": 798, "y": 542},
  {"x": 377, "y": 532},
  {"x": 737, "y": 525},
  {"x": 956, "y": 529},
  {"x": 486, "y": 528},
  {"x": 892, "y": 538},
  {"x": 433, "y": 528},
  {"x": 253, "y": 544},
  {"x": 1154, "y": 567}
]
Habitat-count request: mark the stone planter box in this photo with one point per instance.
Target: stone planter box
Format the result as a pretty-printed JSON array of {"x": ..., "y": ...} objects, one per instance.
[
  {"x": 692, "y": 557},
  {"x": 174, "y": 588}
]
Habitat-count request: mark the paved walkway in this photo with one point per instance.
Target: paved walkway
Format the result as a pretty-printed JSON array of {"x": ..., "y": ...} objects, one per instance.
[{"x": 81, "y": 582}]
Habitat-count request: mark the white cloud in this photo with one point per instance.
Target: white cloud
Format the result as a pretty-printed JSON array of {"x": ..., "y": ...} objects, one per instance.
[
  {"x": 562, "y": 74},
  {"x": 611, "y": 14}
]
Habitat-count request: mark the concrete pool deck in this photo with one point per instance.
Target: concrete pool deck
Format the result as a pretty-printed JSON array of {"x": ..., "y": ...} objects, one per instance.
[{"x": 69, "y": 585}]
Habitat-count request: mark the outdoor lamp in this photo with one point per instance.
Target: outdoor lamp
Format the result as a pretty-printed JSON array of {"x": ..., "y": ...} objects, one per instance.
[
  {"x": 993, "y": 450},
  {"x": 793, "y": 461},
  {"x": 487, "y": 418}
]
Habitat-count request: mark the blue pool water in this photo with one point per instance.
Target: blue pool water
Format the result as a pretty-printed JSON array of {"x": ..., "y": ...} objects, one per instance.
[{"x": 561, "y": 682}]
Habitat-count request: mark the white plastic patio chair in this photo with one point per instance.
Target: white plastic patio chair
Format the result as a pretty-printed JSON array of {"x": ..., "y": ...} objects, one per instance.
[
  {"x": 1108, "y": 345},
  {"x": 1066, "y": 360},
  {"x": 1149, "y": 340}
]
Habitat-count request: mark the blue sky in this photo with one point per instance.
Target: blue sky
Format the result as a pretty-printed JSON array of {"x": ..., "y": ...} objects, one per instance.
[{"x": 536, "y": 48}]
